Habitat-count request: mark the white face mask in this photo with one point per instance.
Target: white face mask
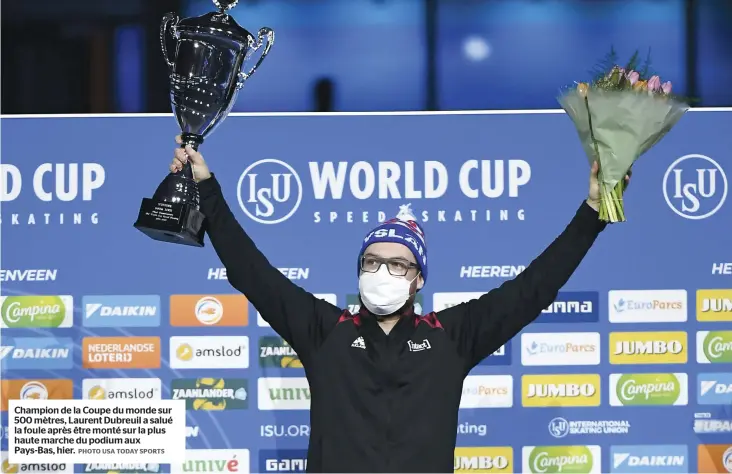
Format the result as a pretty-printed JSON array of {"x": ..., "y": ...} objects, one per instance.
[{"x": 383, "y": 293}]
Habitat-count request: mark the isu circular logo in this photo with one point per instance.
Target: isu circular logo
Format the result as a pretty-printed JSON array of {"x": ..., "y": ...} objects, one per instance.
[
  {"x": 695, "y": 187},
  {"x": 269, "y": 191}
]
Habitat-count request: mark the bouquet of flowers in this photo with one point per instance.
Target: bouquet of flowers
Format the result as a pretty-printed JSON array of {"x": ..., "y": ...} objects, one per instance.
[{"x": 619, "y": 116}]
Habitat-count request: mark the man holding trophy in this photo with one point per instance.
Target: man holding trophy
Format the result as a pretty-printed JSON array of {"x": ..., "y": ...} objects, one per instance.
[{"x": 385, "y": 382}]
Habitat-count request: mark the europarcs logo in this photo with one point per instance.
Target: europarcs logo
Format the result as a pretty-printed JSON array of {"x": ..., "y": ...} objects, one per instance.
[
  {"x": 270, "y": 191},
  {"x": 695, "y": 187}
]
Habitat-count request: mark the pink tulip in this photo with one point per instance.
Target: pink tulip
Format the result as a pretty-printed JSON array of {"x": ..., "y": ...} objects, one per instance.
[
  {"x": 654, "y": 83},
  {"x": 633, "y": 77},
  {"x": 666, "y": 87}
]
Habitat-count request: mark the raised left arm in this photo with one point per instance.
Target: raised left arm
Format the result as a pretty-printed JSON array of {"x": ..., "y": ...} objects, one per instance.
[{"x": 481, "y": 326}]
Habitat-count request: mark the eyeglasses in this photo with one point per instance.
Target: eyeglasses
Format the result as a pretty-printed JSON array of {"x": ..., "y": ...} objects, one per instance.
[{"x": 395, "y": 266}]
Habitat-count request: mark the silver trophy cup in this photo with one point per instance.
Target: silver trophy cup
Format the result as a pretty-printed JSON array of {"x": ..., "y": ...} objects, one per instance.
[{"x": 208, "y": 66}]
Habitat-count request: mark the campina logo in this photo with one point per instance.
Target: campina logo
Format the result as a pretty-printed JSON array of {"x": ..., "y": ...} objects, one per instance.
[
  {"x": 695, "y": 187},
  {"x": 649, "y": 459},
  {"x": 483, "y": 459},
  {"x": 648, "y": 347},
  {"x": 714, "y": 389},
  {"x": 648, "y": 389},
  {"x": 714, "y": 305},
  {"x": 566, "y": 390},
  {"x": 29, "y": 311},
  {"x": 572, "y": 307},
  {"x": 121, "y": 311},
  {"x": 647, "y": 306},
  {"x": 561, "y": 459},
  {"x": 561, "y": 348},
  {"x": 269, "y": 191},
  {"x": 714, "y": 347},
  {"x": 36, "y": 353}
]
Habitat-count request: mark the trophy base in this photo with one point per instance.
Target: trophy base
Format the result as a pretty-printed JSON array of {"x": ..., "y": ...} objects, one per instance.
[{"x": 171, "y": 222}]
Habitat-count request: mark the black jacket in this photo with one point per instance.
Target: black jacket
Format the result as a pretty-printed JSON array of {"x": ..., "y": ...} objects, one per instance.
[{"x": 378, "y": 404}]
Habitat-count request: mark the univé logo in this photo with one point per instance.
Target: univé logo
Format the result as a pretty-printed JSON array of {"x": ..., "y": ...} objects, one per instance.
[
  {"x": 269, "y": 191},
  {"x": 695, "y": 187}
]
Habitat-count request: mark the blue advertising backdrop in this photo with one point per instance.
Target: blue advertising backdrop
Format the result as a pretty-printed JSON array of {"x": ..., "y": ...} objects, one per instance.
[{"x": 492, "y": 190}]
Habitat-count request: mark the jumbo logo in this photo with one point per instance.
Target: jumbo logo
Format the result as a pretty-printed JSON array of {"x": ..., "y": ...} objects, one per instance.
[
  {"x": 648, "y": 347},
  {"x": 561, "y": 459},
  {"x": 714, "y": 305},
  {"x": 488, "y": 459},
  {"x": 568, "y": 390},
  {"x": 648, "y": 389},
  {"x": 714, "y": 347}
]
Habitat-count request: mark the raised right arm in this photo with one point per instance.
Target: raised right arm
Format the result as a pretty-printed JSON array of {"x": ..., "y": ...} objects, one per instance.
[{"x": 299, "y": 317}]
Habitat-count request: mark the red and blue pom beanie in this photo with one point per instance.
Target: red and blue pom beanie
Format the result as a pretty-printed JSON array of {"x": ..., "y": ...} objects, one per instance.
[{"x": 403, "y": 229}]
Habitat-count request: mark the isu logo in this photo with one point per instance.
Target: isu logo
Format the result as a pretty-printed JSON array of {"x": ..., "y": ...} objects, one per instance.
[
  {"x": 269, "y": 191},
  {"x": 695, "y": 187}
]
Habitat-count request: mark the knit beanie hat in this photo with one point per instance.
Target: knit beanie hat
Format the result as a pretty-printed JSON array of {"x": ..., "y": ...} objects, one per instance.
[{"x": 403, "y": 229}]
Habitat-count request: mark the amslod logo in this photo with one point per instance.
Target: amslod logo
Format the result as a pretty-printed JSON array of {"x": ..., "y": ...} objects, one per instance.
[
  {"x": 561, "y": 459},
  {"x": 648, "y": 389},
  {"x": 714, "y": 347}
]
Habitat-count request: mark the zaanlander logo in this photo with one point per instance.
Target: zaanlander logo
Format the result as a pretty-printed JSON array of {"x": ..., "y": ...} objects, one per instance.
[
  {"x": 51, "y": 182},
  {"x": 714, "y": 347},
  {"x": 211, "y": 394},
  {"x": 561, "y": 459},
  {"x": 121, "y": 468},
  {"x": 270, "y": 191},
  {"x": 648, "y": 389},
  {"x": 276, "y": 352}
]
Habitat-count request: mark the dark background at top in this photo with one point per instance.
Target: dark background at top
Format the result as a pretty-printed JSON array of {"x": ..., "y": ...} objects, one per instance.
[{"x": 103, "y": 56}]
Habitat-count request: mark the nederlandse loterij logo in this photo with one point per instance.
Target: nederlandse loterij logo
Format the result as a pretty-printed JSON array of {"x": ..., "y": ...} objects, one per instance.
[
  {"x": 714, "y": 347},
  {"x": 648, "y": 389},
  {"x": 566, "y": 390},
  {"x": 695, "y": 187},
  {"x": 569, "y": 348},
  {"x": 714, "y": 305},
  {"x": 28, "y": 311},
  {"x": 283, "y": 393},
  {"x": 648, "y": 347},
  {"x": 561, "y": 459},
  {"x": 269, "y": 191},
  {"x": 484, "y": 459},
  {"x": 647, "y": 306}
]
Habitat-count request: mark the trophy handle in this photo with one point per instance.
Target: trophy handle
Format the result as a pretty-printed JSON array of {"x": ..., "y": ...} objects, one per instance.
[
  {"x": 265, "y": 37},
  {"x": 167, "y": 27}
]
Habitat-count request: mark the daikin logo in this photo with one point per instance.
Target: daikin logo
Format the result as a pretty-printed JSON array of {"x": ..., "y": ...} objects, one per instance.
[
  {"x": 270, "y": 191},
  {"x": 649, "y": 459}
]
